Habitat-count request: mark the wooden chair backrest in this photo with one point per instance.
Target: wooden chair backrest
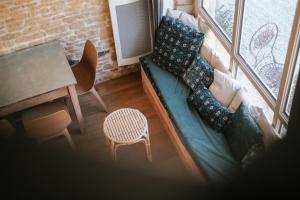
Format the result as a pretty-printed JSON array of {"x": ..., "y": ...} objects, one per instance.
[
  {"x": 90, "y": 59},
  {"x": 46, "y": 120}
]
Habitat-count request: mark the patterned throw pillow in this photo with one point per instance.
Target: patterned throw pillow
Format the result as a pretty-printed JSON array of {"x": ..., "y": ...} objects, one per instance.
[
  {"x": 255, "y": 152},
  {"x": 199, "y": 72},
  {"x": 242, "y": 133},
  {"x": 209, "y": 108},
  {"x": 176, "y": 45}
]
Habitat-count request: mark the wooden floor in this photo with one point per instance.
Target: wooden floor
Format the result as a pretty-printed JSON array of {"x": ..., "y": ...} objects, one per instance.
[{"x": 121, "y": 93}]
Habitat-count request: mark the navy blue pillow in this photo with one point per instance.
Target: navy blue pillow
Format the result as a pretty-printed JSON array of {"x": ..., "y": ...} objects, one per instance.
[
  {"x": 209, "y": 108},
  {"x": 242, "y": 133},
  {"x": 176, "y": 45},
  {"x": 199, "y": 72}
]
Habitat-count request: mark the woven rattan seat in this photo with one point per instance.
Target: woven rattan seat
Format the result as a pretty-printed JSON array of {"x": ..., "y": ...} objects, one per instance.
[{"x": 126, "y": 126}]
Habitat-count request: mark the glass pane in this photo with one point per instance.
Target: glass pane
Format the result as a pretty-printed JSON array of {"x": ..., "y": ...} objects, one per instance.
[
  {"x": 253, "y": 94},
  {"x": 293, "y": 86},
  {"x": 222, "y": 12},
  {"x": 264, "y": 41}
]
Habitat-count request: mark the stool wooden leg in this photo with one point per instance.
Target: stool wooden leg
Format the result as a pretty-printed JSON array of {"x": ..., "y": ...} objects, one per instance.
[
  {"x": 113, "y": 150},
  {"x": 66, "y": 133},
  {"x": 148, "y": 147}
]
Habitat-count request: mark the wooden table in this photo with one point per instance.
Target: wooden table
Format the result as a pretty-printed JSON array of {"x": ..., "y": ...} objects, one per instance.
[{"x": 34, "y": 76}]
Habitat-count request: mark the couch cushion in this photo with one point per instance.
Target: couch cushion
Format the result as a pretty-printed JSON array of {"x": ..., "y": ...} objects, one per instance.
[
  {"x": 207, "y": 147},
  {"x": 255, "y": 152},
  {"x": 189, "y": 20},
  {"x": 206, "y": 51},
  {"x": 242, "y": 133},
  {"x": 176, "y": 45},
  {"x": 200, "y": 72},
  {"x": 209, "y": 108},
  {"x": 174, "y": 13},
  {"x": 224, "y": 88}
]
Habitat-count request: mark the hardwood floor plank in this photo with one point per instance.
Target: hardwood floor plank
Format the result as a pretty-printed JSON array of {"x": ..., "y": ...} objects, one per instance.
[{"x": 126, "y": 91}]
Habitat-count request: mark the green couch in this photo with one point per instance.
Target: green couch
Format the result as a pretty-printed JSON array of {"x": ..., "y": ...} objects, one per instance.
[{"x": 207, "y": 147}]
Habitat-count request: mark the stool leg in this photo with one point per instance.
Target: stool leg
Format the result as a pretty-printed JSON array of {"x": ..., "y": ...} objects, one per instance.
[
  {"x": 148, "y": 147},
  {"x": 113, "y": 150},
  {"x": 67, "y": 135}
]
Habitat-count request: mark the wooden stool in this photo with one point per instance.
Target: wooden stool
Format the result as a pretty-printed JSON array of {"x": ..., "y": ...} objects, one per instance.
[
  {"x": 124, "y": 127},
  {"x": 47, "y": 121}
]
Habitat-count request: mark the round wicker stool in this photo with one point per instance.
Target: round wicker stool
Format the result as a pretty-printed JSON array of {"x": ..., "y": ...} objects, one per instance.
[{"x": 124, "y": 127}]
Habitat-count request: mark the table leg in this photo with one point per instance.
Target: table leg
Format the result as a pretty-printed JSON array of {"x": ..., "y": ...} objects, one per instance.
[{"x": 75, "y": 102}]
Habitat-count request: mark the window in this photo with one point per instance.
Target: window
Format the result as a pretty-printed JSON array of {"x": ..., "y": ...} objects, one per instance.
[
  {"x": 252, "y": 93},
  {"x": 292, "y": 86},
  {"x": 222, "y": 12},
  {"x": 265, "y": 34},
  {"x": 261, "y": 45}
]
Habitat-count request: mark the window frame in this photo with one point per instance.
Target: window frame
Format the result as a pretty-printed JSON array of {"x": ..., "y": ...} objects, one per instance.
[
  {"x": 236, "y": 60},
  {"x": 215, "y": 24},
  {"x": 290, "y": 82},
  {"x": 291, "y": 61}
]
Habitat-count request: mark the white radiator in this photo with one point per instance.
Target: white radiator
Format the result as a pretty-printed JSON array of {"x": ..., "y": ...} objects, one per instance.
[{"x": 132, "y": 28}]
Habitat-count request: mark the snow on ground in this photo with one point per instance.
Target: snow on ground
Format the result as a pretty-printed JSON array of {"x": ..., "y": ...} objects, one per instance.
[{"x": 256, "y": 14}]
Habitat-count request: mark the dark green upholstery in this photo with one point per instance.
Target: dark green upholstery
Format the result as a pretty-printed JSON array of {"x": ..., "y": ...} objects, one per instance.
[
  {"x": 242, "y": 133},
  {"x": 207, "y": 147}
]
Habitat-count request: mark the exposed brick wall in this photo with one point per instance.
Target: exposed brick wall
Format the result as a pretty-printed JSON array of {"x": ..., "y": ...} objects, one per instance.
[{"x": 25, "y": 23}]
